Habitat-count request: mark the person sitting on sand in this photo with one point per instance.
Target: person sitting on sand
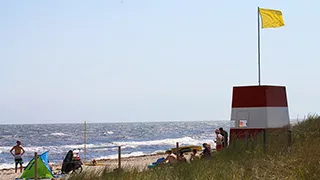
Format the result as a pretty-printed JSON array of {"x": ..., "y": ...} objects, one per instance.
[
  {"x": 170, "y": 159},
  {"x": 193, "y": 155},
  {"x": 181, "y": 157},
  {"x": 206, "y": 154},
  {"x": 18, "y": 152},
  {"x": 94, "y": 162},
  {"x": 50, "y": 166}
]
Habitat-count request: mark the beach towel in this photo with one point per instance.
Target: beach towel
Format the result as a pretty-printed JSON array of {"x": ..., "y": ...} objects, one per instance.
[{"x": 155, "y": 164}]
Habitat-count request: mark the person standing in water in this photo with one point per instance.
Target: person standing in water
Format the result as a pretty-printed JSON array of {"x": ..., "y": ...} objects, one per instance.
[{"x": 18, "y": 152}]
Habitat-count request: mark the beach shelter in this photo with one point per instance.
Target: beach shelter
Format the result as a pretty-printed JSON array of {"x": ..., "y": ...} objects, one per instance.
[
  {"x": 44, "y": 171},
  {"x": 258, "y": 108}
]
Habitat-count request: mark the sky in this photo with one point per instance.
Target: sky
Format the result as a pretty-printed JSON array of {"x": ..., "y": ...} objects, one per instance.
[{"x": 142, "y": 60}]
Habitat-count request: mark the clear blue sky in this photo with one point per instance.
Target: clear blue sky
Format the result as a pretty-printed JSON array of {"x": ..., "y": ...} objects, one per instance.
[{"x": 142, "y": 60}]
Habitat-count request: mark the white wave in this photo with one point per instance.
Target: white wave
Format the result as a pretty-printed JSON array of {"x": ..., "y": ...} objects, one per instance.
[
  {"x": 78, "y": 146},
  {"x": 65, "y": 148},
  {"x": 114, "y": 146},
  {"x": 58, "y": 134},
  {"x": 108, "y": 132},
  {"x": 6, "y": 166},
  {"x": 100, "y": 146},
  {"x": 182, "y": 141},
  {"x": 39, "y": 149},
  {"x": 92, "y": 146},
  {"x": 6, "y": 136},
  {"x": 158, "y": 151},
  {"x": 210, "y": 142},
  {"x": 115, "y": 156},
  {"x": 5, "y": 148}
]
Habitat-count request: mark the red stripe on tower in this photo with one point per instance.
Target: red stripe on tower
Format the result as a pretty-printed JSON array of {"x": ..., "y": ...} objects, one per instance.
[
  {"x": 259, "y": 96},
  {"x": 259, "y": 107}
]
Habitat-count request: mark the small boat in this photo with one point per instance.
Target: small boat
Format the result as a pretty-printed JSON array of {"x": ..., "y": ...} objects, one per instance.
[{"x": 185, "y": 149}]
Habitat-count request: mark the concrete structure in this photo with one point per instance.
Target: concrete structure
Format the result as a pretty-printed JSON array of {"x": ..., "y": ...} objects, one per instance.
[{"x": 255, "y": 108}]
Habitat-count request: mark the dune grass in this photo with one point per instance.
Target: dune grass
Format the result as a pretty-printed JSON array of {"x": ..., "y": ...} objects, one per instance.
[{"x": 301, "y": 160}]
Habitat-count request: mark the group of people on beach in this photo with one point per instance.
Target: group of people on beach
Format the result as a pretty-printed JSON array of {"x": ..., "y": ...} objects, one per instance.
[
  {"x": 221, "y": 139},
  {"x": 221, "y": 142}
]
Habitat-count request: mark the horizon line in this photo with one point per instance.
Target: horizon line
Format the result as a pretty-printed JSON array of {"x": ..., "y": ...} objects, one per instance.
[{"x": 113, "y": 122}]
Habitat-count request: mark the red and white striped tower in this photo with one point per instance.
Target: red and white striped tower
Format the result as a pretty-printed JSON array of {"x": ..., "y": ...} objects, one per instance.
[{"x": 255, "y": 108}]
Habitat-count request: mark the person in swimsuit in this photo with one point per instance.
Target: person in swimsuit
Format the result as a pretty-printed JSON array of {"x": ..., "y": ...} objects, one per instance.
[
  {"x": 181, "y": 157},
  {"x": 171, "y": 159},
  {"x": 194, "y": 155},
  {"x": 18, "y": 152}
]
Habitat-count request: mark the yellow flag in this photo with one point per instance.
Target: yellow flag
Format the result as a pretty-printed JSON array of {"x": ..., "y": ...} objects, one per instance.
[{"x": 271, "y": 18}]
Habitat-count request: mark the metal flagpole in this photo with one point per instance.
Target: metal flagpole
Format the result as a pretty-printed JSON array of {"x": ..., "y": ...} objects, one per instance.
[
  {"x": 85, "y": 141},
  {"x": 259, "y": 73}
]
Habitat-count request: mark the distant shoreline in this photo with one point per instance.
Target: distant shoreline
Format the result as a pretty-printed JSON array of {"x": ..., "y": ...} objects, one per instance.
[{"x": 129, "y": 122}]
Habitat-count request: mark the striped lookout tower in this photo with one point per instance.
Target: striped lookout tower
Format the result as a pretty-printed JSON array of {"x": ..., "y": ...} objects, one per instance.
[{"x": 255, "y": 108}]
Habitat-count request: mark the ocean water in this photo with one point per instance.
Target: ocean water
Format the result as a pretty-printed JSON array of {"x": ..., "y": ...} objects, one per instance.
[{"x": 103, "y": 139}]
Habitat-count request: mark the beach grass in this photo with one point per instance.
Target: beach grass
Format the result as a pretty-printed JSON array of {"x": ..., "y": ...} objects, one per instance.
[{"x": 281, "y": 159}]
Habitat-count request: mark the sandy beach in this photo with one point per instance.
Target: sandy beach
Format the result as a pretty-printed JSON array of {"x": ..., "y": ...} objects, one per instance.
[{"x": 139, "y": 162}]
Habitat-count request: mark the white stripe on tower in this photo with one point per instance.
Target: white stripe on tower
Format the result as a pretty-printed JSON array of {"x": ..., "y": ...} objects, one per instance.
[{"x": 260, "y": 106}]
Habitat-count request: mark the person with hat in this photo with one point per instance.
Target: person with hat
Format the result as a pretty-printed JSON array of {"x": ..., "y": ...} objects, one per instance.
[{"x": 18, "y": 152}]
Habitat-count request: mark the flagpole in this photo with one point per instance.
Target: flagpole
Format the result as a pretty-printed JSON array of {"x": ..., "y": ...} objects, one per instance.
[
  {"x": 259, "y": 75},
  {"x": 85, "y": 141}
]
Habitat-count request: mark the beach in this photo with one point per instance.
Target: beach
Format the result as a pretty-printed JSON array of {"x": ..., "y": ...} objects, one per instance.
[
  {"x": 140, "y": 143},
  {"x": 103, "y": 139},
  {"x": 139, "y": 162}
]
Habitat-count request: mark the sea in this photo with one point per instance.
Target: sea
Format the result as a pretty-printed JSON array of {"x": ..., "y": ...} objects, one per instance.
[{"x": 103, "y": 139}]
